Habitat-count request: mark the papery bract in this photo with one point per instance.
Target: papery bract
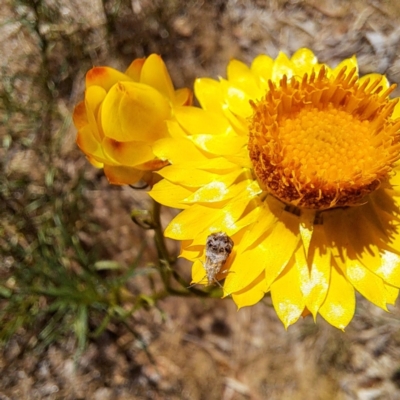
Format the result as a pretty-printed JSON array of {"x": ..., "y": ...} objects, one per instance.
[{"x": 123, "y": 115}]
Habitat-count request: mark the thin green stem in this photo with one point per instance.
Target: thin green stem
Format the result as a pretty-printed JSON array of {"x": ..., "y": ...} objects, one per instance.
[
  {"x": 159, "y": 236},
  {"x": 166, "y": 261}
]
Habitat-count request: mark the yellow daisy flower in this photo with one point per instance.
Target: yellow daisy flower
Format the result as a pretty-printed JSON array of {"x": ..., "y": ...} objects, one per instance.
[
  {"x": 123, "y": 114},
  {"x": 298, "y": 163}
]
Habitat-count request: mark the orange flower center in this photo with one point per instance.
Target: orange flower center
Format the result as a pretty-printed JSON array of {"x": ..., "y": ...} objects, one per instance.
[{"x": 323, "y": 142}]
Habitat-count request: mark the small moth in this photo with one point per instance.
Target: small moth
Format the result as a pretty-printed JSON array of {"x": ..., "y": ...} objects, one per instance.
[{"x": 218, "y": 247}]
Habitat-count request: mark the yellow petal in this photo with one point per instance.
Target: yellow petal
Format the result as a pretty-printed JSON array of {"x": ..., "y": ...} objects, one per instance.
[
  {"x": 396, "y": 111},
  {"x": 237, "y": 99},
  {"x": 241, "y": 159},
  {"x": 350, "y": 229},
  {"x": 154, "y": 73},
  {"x": 339, "y": 305},
  {"x": 198, "y": 273},
  {"x": 152, "y": 165},
  {"x": 335, "y": 227},
  {"x": 282, "y": 66},
  {"x": 202, "y": 221},
  {"x": 234, "y": 229},
  {"x": 219, "y": 165},
  {"x": 261, "y": 255},
  {"x": 287, "y": 297},
  {"x": 349, "y": 63},
  {"x": 391, "y": 294},
  {"x": 209, "y": 95},
  {"x": 374, "y": 77},
  {"x": 240, "y": 74},
  {"x": 189, "y": 177},
  {"x": 250, "y": 216},
  {"x": 94, "y": 162},
  {"x": 385, "y": 202},
  {"x": 304, "y": 272},
  {"x": 320, "y": 262},
  {"x": 183, "y": 97},
  {"x": 134, "y": 112},
  {"x": 191, "y": 252},
  {"x": 228, "y": 144},
  {"x": 169, "y": 194},
  {"x": 364, "y": 281},
  {"x": 389, "y": 270},
  {"x": 250, "y": 295},
  {"x": 238, "y": 123},
  {"x": 220, "y": 189},
  {"x": 395, "y": 179},
  {"x": 94, "y": 96},
  {"x": 135, "y": 69},
  {"x": 128, "y": 154},
  {"x": 122, "y": 175},
  {"x": 270, "y": 211},
  {"x": 245, "y": 269},
  {"x": 79, "y": 116},
  {"x": 238, "y": 71},
  {"x": 197, "y": 121},
  {"x": 280, "y": 245},
  {"x": 262, "y": 68},
  {"x": 388, "y": 247},
  {"x": 178, "y": 151},
  {"x": 175, "y": 130},
  {"x": 188, "y": 223},
  {"x": 365, "y": 241},
  {"x": 303, "y": 60},
  {"x": 306, "y": 226},
  {"x": 105, "y": 77},
  {"x": 87, "y": 142}
]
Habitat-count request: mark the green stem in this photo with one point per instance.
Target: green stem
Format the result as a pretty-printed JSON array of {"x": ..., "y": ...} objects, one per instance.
[
  {"x": 165, "y": 260},
  {"x": 159, "y": 236}
]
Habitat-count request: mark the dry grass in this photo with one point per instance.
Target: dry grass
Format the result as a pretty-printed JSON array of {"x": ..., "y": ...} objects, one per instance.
[{"x": 59, "y": 214}]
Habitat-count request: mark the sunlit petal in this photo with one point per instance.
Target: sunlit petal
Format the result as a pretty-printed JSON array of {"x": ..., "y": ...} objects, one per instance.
[
  {"x": 134, "y": 112},
  {"x": 339, "y": 305},
  {"x": 135, "y": 69},
  {"x": 287, "y": 298},
  {"x": 154, "y": 73},
  {"x": 105, "y": 77},
  {"x": 320, "y": 264},
  {"x": 118, "y": 175},
  {"x": 197, "y": 121},
  {"x": 170, "y": 194},
  {"x": 129, "y": 154},
  {"x": 208, "y": 92},
  {"x": 251, "y": 294}
]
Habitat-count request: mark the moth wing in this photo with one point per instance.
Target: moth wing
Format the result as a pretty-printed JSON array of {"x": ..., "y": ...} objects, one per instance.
[{"x": 207, "y": 263}]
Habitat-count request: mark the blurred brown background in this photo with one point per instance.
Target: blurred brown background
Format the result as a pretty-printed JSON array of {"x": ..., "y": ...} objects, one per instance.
[{"x": 184, "y": 348}]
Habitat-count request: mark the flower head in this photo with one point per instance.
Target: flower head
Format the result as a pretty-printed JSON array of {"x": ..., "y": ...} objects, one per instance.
[
  {"x": 123, "y": 115},
  {"x": 298, "y": 163}
]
